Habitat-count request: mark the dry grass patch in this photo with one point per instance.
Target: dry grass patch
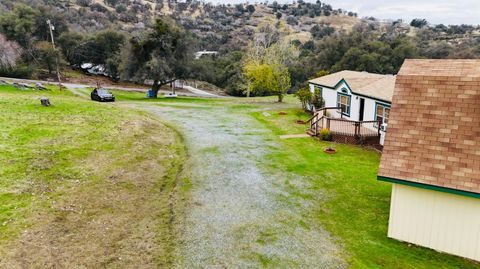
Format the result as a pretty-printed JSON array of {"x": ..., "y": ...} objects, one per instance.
[{"x": 113, "y": 205}]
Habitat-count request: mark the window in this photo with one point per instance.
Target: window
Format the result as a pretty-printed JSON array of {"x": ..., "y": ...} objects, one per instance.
[
  {"x": 343, "y": 101},
  {"x": 382, "y": 114}
]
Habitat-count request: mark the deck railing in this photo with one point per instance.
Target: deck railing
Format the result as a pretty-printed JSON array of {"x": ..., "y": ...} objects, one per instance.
[
  {"x": 341, "y": 126},
  {"x": 361, "y": 129}
]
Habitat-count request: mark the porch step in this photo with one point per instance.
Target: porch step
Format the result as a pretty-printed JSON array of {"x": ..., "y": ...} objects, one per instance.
[{"x": 310, "y": 132}]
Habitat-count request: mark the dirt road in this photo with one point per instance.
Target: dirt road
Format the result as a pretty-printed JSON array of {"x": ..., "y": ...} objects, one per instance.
[{"x": 236, "y": 217}]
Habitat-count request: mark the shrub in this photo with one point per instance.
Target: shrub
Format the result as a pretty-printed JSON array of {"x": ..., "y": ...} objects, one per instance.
[
  {"x": 120, "y": 8},
  {"x": 291, "y": 20},
  {"x": 84, "y": 3},
  {"x": 317, "y": 99},
  {"x": 305, "y": 97},
  {"x": 111, "y": 3},
  {"x": 99, "y": 8},
  {"x": 322, "y": 30},
  {"x": 325, "y": 135},
  {"x": 20, "y": 71},
  {"x": 308, "y": 100},
  {"x": 419, "y": 23}
]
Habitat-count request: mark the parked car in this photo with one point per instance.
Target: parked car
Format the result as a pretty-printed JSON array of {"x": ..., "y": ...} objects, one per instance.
[{"x": 102, "y": 95}]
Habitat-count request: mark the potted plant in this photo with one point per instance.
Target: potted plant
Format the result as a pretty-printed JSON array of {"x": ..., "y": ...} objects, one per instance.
[{"x": 330, "y": 150}]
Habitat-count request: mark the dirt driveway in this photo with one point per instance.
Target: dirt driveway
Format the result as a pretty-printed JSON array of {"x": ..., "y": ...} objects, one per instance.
[{"x": 238, "y": 215}]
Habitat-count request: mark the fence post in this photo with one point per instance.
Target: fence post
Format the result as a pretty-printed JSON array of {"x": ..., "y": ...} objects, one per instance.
[{"x": 357, "y": 129}]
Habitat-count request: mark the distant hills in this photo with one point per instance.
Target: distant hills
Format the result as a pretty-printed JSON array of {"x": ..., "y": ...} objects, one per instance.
[{"x": 221, "y": 26}]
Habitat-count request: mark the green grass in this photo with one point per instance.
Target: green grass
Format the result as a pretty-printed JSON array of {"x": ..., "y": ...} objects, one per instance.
[
  {"x": 121, "y": 95},
  {"x": 79, "y": 152},
  {"x": 234, "y": 103},
  {"x": 38, "y": 143},
  {"x": 354, "y": 206},
  {"x": 71, "y": 73}
]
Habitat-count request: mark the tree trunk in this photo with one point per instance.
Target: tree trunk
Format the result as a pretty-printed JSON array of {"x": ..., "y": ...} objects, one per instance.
[
  {"x": 280, "y": 98},
  {"x": 155, "y": 88},
  {"x": 157, "y": 84}
]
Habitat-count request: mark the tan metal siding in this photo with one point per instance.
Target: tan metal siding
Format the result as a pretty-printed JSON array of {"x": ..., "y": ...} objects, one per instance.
[{"x": 445, "y": 222}]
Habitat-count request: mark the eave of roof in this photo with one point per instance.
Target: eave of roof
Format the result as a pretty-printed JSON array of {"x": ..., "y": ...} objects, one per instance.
[
  {"x": 429, "y": 187},
  {"x": 374, "y": 86},
  {"x": 356, "y": 93}
]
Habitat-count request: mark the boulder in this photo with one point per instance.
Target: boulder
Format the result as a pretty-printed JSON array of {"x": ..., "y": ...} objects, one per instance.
[
  {"x": 45, "y": 102},
  {"x": 22, "y": 85},
  {"x": 39, "y": 86}
]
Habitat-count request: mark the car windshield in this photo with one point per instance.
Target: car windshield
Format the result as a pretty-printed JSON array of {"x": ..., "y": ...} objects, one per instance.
[{"x": 102, "y": 91}]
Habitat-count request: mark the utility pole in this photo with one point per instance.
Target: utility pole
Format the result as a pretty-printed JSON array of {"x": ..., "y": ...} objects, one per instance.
[{"x": 52, "y": 28}]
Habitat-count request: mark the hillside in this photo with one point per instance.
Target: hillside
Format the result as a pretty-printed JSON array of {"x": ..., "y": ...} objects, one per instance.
[{"x": 223, "y": 24}]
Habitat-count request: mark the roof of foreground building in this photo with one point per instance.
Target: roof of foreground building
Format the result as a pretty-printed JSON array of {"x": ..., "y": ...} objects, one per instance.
[{"x": 433, "y": 137}]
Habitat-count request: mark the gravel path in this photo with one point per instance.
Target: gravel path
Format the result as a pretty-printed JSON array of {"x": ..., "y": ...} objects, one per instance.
[{"x": 236, "y": 218}]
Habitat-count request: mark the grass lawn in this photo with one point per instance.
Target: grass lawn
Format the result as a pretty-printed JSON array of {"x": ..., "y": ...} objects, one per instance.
[
  {"x": 75, "y": 175},
  {"x": 228, "y": 101},
  {"x": 141, "y": 96},
  {"x": 356, "y": 209}
]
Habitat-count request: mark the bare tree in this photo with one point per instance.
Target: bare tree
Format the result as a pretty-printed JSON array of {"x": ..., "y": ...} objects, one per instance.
[{"x": 265, "y": 35}]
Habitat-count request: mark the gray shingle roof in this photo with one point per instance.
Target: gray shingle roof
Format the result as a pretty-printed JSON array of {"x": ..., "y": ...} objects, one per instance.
[{"x": 373, "y": 85}]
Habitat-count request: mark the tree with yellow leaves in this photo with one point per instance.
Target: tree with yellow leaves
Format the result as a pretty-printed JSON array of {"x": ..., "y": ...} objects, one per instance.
[
  {"x": 266, "y": 66},
  {"x": 270, "y": 78}
]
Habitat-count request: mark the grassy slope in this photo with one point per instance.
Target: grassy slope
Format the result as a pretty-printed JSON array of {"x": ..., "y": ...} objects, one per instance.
[
  {"x": 357, "y": 209},
  {"x": 74, "y": 175}
]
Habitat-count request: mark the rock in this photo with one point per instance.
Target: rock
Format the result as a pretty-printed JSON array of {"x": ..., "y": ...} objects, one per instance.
[
  {"x": 39, "y": 86},
  {"x": 18, "y": 86},
  {"x": 45, "y": 102},
  {"x": 22, "y": 86},
  {"x": 3, "y": 82},
  {"x": 266, "y": 114},
  {"x": 25, "y": 85}
]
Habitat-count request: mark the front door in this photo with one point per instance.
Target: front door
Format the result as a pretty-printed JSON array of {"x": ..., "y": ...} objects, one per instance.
[{"x": 362, "y": 108}]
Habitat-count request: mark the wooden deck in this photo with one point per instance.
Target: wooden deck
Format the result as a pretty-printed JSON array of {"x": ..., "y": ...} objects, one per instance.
[
  {"x": 345, "y": 131},
  {"x": 347, "y": 127}
]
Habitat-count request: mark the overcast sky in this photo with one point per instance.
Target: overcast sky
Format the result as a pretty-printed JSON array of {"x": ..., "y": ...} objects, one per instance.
[{"x": 435, "y": 11}]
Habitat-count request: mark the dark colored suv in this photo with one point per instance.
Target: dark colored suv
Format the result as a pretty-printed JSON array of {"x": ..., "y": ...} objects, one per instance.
[{"x": 102, "y": 95}]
